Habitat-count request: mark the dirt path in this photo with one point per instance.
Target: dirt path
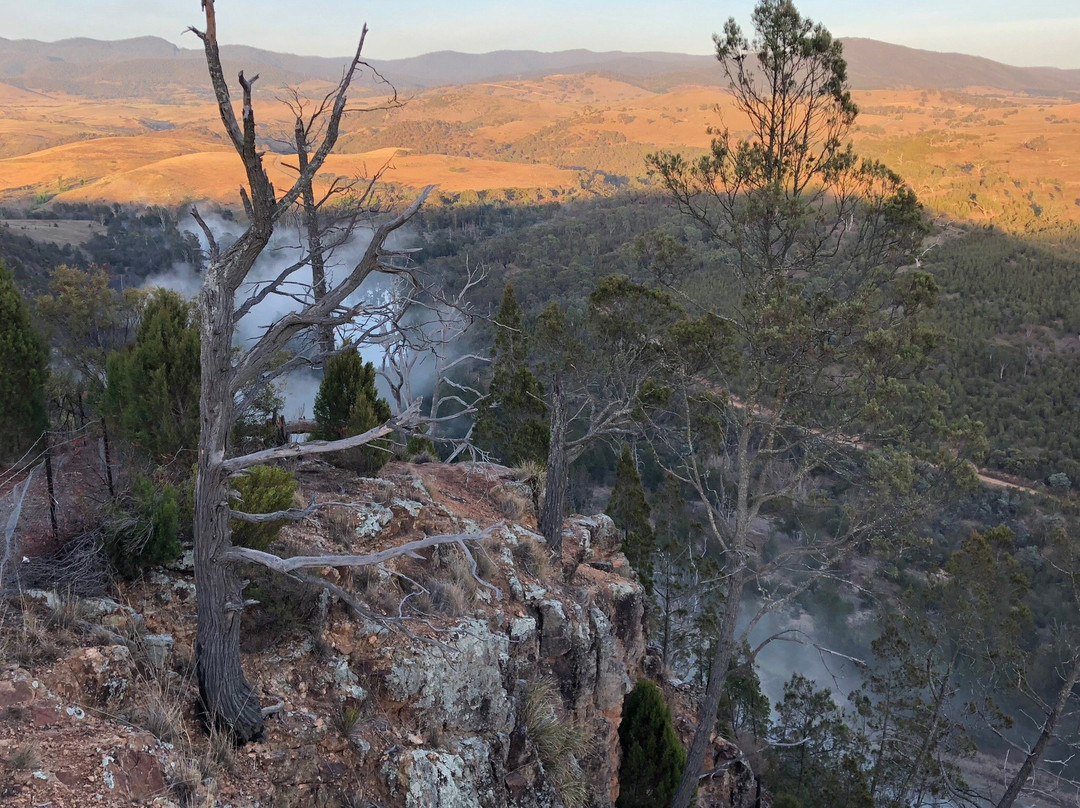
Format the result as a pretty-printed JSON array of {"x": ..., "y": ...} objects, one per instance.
[{"x": 997, "y": 482}]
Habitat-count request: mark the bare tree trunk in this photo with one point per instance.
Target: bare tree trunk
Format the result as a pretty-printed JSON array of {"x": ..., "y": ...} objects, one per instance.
[
  {"x": 1016, "y": 785},
  {"x": 714, "y": 691},
  {"x": 551, "y": 516},
  {"x": 314, "y": 235},
  {"x": 108, "y": 459},
  {"x": 49, "y": 485},
  {"x": 725, "y": 643},
  {"x": 227, "y": 699}
]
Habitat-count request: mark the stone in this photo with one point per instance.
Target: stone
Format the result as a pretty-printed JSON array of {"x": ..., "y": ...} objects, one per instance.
[
  {"x": 459, "y": 686},
  {"x": 554, "y": 631},
  {"x": 158, "y": 649},
  {"x": 94, "y": 675},
  {"x": 136, "y": 775},
  {"x": 432, "y": 778}
]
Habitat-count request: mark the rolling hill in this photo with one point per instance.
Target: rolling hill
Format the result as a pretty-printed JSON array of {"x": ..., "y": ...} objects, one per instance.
[
  {"x": 133, "y": 121},
  {"x": 100, "y": 68}
]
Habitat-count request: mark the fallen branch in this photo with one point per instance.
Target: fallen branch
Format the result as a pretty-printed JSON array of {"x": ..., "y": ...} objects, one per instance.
[
  {"x": 404, "y": 420},
  {"x": 288, "y": 566}
]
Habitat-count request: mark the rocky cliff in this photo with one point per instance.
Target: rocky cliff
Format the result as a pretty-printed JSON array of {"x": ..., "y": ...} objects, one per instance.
[{"x": 496, "y": 680}]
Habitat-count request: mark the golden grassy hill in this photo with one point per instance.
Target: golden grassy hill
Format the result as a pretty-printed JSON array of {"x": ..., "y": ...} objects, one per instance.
[{"x": 980, "y": 154}]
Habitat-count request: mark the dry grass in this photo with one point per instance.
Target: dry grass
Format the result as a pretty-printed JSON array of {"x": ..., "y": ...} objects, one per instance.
[
  {"x": 533, "y": 557},
  {"x": 220, "y": 754},
  {"x": 25, "y": 757},
  {"x": 65, "y": 612},
  {"x": 377, "y": 589},
  {"x": 184, "y": 781},
  {"x": 31, "y": 643},
  {"x": 443, "y": 597},
  {"x": 510, "y": 503},
  {"x": 341, "y": 526},
  {"x": 486, "y": 567},
  {"x": 161, "y": 711},
  {"x": 345, "y": 719},
  {"x": 559, "y": 741}
]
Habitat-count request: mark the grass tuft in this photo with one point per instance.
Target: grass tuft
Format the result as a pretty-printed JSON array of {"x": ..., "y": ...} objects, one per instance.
[{"x": 559, "y": 741}]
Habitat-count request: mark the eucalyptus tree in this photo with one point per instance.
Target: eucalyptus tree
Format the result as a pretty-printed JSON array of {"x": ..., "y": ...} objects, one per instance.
[
  {"x": 818, "y": 329},
  {"x": 595, "y": 368}
]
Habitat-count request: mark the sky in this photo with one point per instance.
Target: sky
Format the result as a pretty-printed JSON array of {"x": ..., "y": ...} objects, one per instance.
[{"x": 1034, "y": 32}]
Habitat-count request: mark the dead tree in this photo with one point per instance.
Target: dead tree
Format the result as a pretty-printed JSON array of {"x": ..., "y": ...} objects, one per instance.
[
  {"x": 325, "y": 229},
  {"x": 232, "y": 380},
  {"x": 418, "y": 344}
]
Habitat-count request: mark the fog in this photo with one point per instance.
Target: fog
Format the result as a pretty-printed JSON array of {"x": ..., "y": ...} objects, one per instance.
[{"x": 286, "y": 247}]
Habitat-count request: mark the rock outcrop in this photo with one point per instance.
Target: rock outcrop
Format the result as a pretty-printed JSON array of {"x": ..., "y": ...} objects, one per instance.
[{"x": 435, "y": 710}]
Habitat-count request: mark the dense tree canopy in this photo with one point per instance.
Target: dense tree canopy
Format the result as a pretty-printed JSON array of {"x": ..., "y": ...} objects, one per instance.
[
  {"x": 152, "y": 386},
  {"x": 23, "y": 371},
  {"x": 348, "y": 404},
  {"x": 511, "y": 421}
]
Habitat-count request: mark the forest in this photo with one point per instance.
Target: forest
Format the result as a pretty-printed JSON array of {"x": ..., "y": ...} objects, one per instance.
[{"x": 816, "y": 415}]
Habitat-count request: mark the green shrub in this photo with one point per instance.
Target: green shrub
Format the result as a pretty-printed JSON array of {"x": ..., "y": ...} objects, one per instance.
[
  {"x": 652, "y": 756},
  {"x": 263, "y": 489},
  {"x": 348, "y": 404},
  {"x": 286, "y": 606},
  {"x": 152, "y": 386},
  {"x": 143, "y": 531},
  {"x": 23, "y": 371},
  {"x": 630, "y": 512}
]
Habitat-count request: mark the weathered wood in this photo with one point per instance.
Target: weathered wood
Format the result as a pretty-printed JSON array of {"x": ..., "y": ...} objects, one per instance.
[
  {"x": 229, "y": 380},
  {"x": 312, "y": 447},
  {"x": 314, "y": 236},
  {"x": 293, "y": 563}
]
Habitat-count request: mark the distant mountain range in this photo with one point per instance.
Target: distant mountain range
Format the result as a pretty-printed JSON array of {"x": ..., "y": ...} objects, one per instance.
[{"x": 151, "y": 66}]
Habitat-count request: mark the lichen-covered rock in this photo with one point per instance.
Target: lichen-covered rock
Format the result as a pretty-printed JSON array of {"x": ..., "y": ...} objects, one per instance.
[
  {"x": 95, "y": 676},
  {"x": 427, "y": 778},
  {"x": 457, "y": 683}
]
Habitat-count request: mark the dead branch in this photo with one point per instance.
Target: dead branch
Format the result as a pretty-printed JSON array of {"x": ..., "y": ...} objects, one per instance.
[
  {"x": 403, "y": 421},
  {"x": 289, "y": 566},
  {"x": 291, "y": 514}
]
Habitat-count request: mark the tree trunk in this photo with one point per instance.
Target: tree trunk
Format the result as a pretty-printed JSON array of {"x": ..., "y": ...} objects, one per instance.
[
  {"x": 725, "y": 644},
  {"x": 315, "y": 245},
  {"x": 551, "y": 516},
  {"x": 1016, "y": 785},
  {"x": 227, "y": 699},
  {"x": 49, "y": 485},
  {"x": 108, "y": 459},
  {"x": 714, "y": 691}
]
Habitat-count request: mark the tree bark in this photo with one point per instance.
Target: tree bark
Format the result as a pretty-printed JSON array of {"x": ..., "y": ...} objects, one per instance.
[
  {"x": 315, "y": 245},
  {"x": 227, "y": 699},
  {"x": 49, "y": 485},
  {"x": 1016, "y": 785},
  {"x": 714, "y": 691},
  {"x": 725, "y": 644},
  {"x": 551, "y": 516}
]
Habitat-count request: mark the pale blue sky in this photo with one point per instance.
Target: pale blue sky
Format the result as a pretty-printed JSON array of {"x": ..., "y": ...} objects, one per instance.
[{"x": 1034, "y": 32}]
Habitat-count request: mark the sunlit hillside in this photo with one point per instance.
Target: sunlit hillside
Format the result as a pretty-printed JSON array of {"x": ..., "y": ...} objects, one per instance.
[{"x": 980, "y": 154}]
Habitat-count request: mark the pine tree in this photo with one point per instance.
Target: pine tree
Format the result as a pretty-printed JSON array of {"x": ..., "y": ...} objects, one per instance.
[
  {"x": 511, "y": 423},
  {"x": 152, "y": 386},
  {"x": 23, "y": 370},
  {"x": 652, "y": 757},
  {"x": 348, "y": 404},
  {"x": 629, "y": 511}
]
